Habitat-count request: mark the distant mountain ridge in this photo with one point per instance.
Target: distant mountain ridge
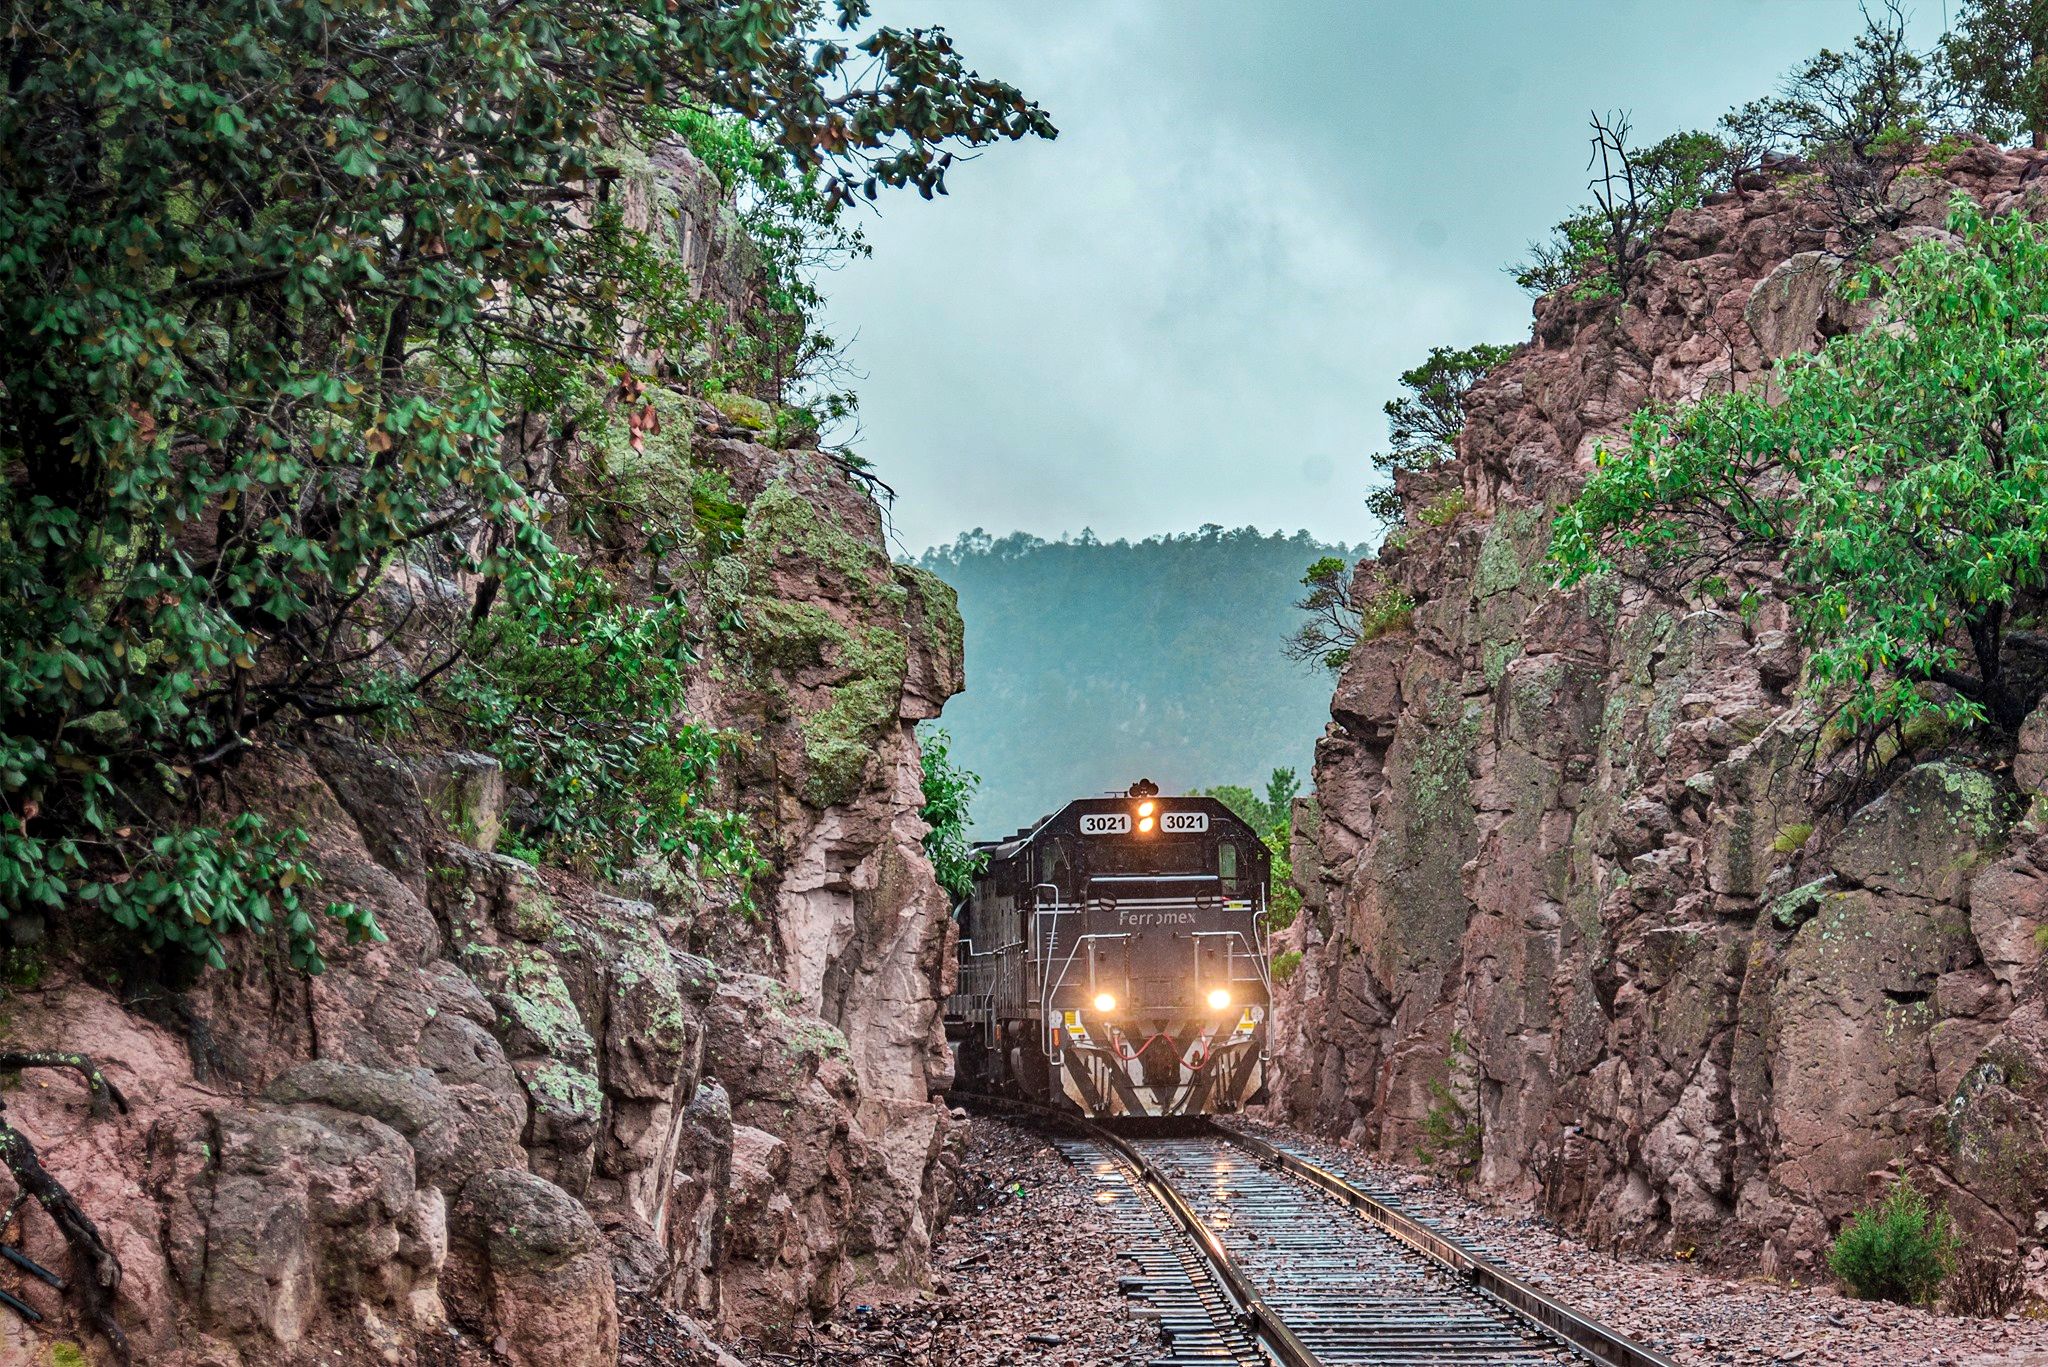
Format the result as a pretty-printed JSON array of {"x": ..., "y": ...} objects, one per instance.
[{"x": 1091, "y": 663}]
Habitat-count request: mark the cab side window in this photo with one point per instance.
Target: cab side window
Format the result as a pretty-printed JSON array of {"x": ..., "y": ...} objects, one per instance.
[
  {"x": 1226, "y": 865},
  {"x": 1054, "y": 868}
]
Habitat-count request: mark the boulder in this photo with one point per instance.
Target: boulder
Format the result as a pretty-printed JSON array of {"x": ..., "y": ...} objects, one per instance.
[
  {"x": 538, "y": 1277},
  {"x": 292, "y": 1225},
  {"x": 451, "y": 1141},
  {"x": 1927, "y": 834}
]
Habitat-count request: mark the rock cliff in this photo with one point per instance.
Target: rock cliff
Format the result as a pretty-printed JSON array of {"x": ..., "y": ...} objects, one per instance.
[
  {"x": 1581, "y": 923},
  {"x": 543, "y": 1094}
]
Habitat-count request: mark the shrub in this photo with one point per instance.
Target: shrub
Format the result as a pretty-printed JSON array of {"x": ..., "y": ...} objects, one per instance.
[
  {"x": 948, "y": 789},
  {"x": 1389, "y": 610},
  {"x": 582, "y": 697},
  {"x": 1900, "y": 1250},
  {"x": 1286, "y": 964},
  {"x": 1452, "y": 1135},
  {"x": 1444, "y": 511}
]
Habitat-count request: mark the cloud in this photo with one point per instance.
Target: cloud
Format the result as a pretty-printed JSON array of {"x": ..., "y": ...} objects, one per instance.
[{"x": 1191, "y": 306}]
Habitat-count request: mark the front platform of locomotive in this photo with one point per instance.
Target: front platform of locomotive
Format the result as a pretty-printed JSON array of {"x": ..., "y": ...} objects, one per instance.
[{"x": 1148, "y": 930}]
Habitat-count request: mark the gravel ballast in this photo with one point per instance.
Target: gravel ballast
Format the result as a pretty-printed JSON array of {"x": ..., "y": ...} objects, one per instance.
[
  {"x": 1026, "y": 1274},
  {"x": 1696, "y": 1317}
]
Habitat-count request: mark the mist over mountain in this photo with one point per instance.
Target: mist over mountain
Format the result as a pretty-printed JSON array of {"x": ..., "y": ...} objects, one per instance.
[{"x": 1093, "y": 663}]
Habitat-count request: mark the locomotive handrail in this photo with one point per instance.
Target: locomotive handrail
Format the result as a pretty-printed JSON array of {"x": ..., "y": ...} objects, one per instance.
[
  {"x": 1258, "y": 960},
  {"x": 1073, "y": 952},
  {"x": 1039, "y": 910}
]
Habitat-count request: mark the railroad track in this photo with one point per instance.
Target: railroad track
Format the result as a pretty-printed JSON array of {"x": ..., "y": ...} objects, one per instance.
[{"x": 1249, "y": 1253}]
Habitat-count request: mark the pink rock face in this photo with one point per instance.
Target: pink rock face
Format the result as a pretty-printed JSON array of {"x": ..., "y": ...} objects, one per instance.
[
  {"x": 539, "y": 1089},
  {"x": 1564, "y": 879}
]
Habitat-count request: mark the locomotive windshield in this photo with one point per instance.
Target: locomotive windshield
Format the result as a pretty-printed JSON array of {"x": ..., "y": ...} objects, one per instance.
[{"x": 1061, "y": 865}]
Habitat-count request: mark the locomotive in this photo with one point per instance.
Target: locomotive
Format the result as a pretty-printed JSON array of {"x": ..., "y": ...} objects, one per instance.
[{"x": 1112, "y": 960}]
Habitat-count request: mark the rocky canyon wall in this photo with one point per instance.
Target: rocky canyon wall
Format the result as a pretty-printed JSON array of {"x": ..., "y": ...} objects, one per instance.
[
  {"x": 544, "y": 1096},
  {"x": 1578, "y": 923}
]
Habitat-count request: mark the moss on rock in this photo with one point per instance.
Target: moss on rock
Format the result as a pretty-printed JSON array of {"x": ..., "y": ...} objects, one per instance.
[
  {"x": 782, "y": 522},
  {"x": 840, "y": 738},
  {"x": 744, "y": 410},
  {"x": 939, "y": 606}
]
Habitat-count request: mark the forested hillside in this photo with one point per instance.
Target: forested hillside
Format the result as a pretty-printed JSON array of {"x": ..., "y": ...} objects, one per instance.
[{"x": 1098, "y": 662}]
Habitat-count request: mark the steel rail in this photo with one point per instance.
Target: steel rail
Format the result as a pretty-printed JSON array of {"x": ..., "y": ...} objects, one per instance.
[
  {"x": 1590, "y": 1337},
  {"x": 1253, "y": 1312}
]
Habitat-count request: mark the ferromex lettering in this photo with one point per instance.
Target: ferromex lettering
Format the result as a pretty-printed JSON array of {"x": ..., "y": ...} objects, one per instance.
[{"x": 1155, "y": 918}]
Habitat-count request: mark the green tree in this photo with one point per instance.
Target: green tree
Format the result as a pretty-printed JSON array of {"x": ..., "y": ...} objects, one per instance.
[
  {"x": 1997, "y": 57},
  {"x": 1857, "y": 115},
  {"x": 1899, "y": 476},
  {"x": 281, "y": 287},
  {"x": 948, "y": 794},
  {"x": 1265, "y": 811},
  {"x": 1330, "y": 634},
  {"x": 1271, "y": 813},
  {"x": 581, "y": 696},
  {"x": 1423, "y": 425},
  {"x": 1900, "y": 1250},
  {"x": 1599, "y": 251}
]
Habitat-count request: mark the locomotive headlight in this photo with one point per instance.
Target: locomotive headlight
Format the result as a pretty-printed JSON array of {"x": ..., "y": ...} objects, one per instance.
[
  {"x": 1144, "y": 823},
  {"x": 1219, "y": 999},
  {"x": 1147, "y": 808},
  {"x": 1104, "y": 1002}
]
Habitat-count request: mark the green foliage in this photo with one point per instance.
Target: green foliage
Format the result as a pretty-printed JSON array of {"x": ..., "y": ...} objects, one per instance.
[
  {"x": 796, "y": 227},
  {"x": 280, "y": 287},
  {"x": 582, "y": 698},
  {"x": 1387, "y": 611},
  {"x": 1286, "y": 964},
  {"x": 1898, "y": 1250},
  {"x": 1858, "y": 116},
  {"x": 1598, "y": 250},
  {"x": 948, "y": 793},
  {"x": 1267, "y": 812},
  {"x": 185, "y": 888},
  {"x": 1271, "y": 814},
  {"x": 1424, "y": 424},
  {"x": 1331, "y": 632},
  {"x": 1143, "y": 659},
  {"x": 1994, "y": 56},
  {"x": 1442, "y": 512},
  {"x": 1901, "y": 475}
]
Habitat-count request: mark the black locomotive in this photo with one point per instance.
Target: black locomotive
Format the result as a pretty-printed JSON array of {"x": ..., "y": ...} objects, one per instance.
[{"x": 1113, "y": 960}]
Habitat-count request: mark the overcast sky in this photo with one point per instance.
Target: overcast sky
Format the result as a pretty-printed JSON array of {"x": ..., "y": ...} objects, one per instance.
[{"x": 1190, "y": 307}]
